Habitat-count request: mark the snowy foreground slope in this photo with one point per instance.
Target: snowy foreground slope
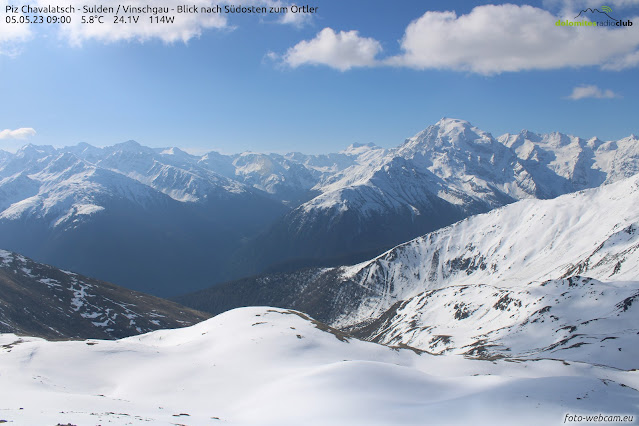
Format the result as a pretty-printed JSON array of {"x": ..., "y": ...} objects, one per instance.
[{"x": 274, "y": 366}]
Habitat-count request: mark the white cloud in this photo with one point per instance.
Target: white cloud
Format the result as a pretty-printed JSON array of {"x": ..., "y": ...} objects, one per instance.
[
  {"x": 22, "y": 133},
  {"x": 343, "y": 50},
  {"x": 591, "y": 91},
  {"x": 493, "y": 39},
  {"x": 630, "y": 60},
  {"x": 185, "y": 26},
  {"x": 297, "y": 19},
  {"x": 12, "y": 34}
]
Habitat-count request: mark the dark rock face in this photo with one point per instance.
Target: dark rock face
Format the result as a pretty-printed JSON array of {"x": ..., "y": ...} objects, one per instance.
[
  {"x": 42, "y": 301},
  {"x": 314, "y": 291}
]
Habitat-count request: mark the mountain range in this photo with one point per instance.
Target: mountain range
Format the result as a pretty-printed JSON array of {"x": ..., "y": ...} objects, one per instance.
[{"x": 167, "y": 222}]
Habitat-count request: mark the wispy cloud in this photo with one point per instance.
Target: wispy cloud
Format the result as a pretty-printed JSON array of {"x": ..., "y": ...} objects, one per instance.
[
  {"x": 591, "y": 91},
  {"x": 491, "y": 39},
  {"x": 184, "y": 27},
  {"x": 22, "y": 133}
]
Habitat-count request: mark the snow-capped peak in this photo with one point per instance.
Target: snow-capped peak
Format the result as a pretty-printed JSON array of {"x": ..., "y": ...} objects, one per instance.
[
  {"x": 129, "y": 146},
  {"x": 359, "y": 148},
  {"x": 532, "y": 136},
  {"x": 447, "y": 132},
  {"x": 558, "y": 139},
  {"x": 31, "y": 151},
  {"x": 175, "y": 151}
]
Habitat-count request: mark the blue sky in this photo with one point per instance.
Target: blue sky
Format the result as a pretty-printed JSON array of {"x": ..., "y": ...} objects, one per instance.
[{"x": 358, "y": 71}]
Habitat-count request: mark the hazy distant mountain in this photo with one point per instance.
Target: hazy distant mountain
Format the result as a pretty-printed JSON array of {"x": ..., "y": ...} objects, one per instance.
[
  {"x": 43, "y": 301},
  {"x": 157, "y": 220},
  {"x": 128, "y": 214},
  {"x": 167, "y": 222}
]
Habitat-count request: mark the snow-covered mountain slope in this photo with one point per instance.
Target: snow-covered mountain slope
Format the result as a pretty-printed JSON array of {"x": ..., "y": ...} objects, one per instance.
[
  {"x": 270, "y": 366},
  {"x": 190, "y": 178},
  {"x": 295, "y": 177},
  {"x": 171, "y": 171},
  {"x": 592, "y": 233},
  {"x": 16, "y": 188},
  {"x": 560, "y": 273},
  {"x": 581, "y": 163},
  {"x": 67, "y": 189},
  {"x": 450, "y": 160},
  {"x": 470, "y": 160},
  {"x": 449, "y": 171},
  {"x": 481, "y": 284},
  {"x": 574, "y": 319},
  {"x": 364, "y": 219},
  {"x": 275, "y": 174}
]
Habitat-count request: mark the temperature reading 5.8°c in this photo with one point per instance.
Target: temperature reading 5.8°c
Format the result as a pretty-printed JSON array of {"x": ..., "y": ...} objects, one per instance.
[{"x": 92, "y": 19}]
